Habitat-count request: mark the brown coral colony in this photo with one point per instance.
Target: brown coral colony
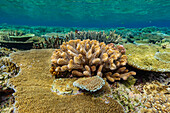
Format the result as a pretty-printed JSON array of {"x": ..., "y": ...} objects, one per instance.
[{"x": 90, "y": 58}]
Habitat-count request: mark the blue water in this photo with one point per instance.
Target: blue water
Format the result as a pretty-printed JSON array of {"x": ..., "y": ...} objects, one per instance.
[{"x": 86, "y": 13}]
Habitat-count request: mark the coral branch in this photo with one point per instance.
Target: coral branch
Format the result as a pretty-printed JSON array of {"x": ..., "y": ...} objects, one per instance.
[{"x": 89, "y": 58}]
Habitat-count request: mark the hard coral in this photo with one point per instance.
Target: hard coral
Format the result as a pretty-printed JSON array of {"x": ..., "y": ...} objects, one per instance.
[
  {"x": 51, "y": 42},
  {"x": 127, "y": 97},
  {"x": 89, "y": 58},
  {"x": 64, "y": 86},
  {"x": 91, "y": 84},
  {"x": 154, "y": 88},
  {"x": 101, "y": 36},
  {"x": 156, "y": 98},
  {"x": 163, "y": 56},
  {"x": 8, "y": 69},
  {"x": 34, "y": 95},
  {"x": 145, "y": 57}
]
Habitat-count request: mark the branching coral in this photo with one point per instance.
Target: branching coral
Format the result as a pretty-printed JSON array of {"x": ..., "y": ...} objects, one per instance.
[
  {"x": 156, "y": 98},
  {"x": 6, "y": 104},
  {"x": 111, "y": 37},
  {"x": 5, "y": 51},
  {"x": 49, "y": 43},
  {"x": 153, "y": 98},
  {"x": 128, "y": 98},
  {"x": 89, "y": 58}
]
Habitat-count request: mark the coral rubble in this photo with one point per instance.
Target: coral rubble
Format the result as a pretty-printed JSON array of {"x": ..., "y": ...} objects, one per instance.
[{"x": 89, "y": 58}]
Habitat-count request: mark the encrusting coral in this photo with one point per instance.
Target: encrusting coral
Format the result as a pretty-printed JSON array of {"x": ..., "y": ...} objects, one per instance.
[
  {"x": 90, "y": 58},
  {"x": 64, "y": 86},
  {"x": 33, "y": 89},
  {"x": 91, "y": 84}
]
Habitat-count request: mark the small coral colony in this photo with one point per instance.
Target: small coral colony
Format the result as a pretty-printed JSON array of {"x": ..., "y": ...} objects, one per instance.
[{"x": 133, "y": 63}]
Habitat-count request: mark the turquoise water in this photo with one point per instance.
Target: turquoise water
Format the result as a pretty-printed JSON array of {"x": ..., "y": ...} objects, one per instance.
[{"x": 86, "y": 13}]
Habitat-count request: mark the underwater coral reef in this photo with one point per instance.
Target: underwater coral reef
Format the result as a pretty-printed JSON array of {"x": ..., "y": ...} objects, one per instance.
[{"x": 113, "y": 70}]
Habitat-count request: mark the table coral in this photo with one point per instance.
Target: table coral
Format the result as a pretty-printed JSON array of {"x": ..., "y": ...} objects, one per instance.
[
  {"x": 91, "y": 84},
  {"x": 33, "y": 89},
  {"x": 142, "y": 57},
  {"x": 163, "y": 56},
  {"x": 89, "y": 58}
]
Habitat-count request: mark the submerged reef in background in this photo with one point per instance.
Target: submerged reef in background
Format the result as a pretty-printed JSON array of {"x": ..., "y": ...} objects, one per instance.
[
  {"x": 17, "y": 40},
  {"x": 52, "y": 37}
]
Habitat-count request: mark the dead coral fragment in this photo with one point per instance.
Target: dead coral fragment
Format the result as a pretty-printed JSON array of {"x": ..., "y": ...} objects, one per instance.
[
  {"x": 91, "y": 84},
  {"x": 89, "y": 58}
]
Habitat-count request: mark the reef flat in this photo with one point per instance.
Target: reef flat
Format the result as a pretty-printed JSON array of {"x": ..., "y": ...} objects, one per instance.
[{"x": 33, "y": 89}]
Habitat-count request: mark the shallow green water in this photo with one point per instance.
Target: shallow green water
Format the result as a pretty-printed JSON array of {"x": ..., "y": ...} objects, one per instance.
[{"x": 86, "y": 13}]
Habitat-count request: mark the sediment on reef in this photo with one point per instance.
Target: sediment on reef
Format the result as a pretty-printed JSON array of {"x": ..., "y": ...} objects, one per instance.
[{"x": 33, "y": 89}]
